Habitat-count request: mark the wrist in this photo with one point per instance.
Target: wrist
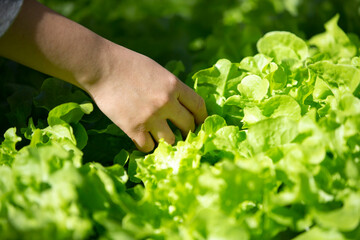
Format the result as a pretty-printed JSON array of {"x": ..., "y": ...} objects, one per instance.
[
  {"x": 96, "y": 65},
  {"x": 110, "y": 66}
]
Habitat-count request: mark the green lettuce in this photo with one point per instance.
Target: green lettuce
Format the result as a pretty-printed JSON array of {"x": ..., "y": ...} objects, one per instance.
[
  {"x": 282, "y": 160},
  {"x": 278, "y": 157}
]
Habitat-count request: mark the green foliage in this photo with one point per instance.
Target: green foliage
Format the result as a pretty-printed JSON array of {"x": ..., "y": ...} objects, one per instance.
[{"x": 278, "y": 157}]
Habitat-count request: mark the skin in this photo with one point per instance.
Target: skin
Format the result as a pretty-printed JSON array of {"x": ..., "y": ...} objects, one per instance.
[{"x": 134, "y": 91}]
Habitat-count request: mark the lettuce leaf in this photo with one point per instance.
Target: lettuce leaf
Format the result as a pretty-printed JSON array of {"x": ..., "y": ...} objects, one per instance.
[{"x": 278, "y": 157}]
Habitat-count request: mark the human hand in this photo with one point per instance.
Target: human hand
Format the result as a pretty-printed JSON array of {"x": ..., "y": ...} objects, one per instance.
[
  {"x": 135, "y": 92},
  {"x": 139, "y": 96}
]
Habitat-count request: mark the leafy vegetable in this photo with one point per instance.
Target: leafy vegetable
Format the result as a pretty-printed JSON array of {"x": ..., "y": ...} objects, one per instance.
[{"x": 278, "y": 157}]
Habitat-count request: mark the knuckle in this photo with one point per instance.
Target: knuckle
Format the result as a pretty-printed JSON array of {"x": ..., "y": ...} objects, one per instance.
[
  {"x": 172, "y": 82},
  {"x": 167, "y": 96},
  {"x": 140, "y": 128},
  {"x": 163, "y": 100}
]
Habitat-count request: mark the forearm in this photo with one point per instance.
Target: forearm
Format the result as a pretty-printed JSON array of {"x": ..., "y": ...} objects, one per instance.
[
  {"x": 48, "y": 42},
  {"x": 134, "y": 91}
]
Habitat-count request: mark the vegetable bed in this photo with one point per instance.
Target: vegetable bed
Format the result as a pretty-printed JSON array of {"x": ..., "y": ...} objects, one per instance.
[{"x": 277, "y": 158}]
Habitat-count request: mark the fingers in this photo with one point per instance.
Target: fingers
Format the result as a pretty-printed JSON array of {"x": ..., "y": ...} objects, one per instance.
[
  {"x": 143, "y": 141},
  {"x": 161, "y": 129},
  {"x": 193, "y": 102},
  {"x": 182, "y": 118},
  {"x": 158, "y": 130},
  {"x": 185, "y": 110}
]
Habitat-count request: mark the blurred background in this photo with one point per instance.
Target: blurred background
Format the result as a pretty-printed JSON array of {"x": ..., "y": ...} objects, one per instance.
[
  {"x": 198, "y": 32},
  {"x": 183, "y": 35}
]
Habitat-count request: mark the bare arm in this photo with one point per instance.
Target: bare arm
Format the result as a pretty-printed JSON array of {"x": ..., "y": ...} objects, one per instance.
[{"x": 135, "y": 92}]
